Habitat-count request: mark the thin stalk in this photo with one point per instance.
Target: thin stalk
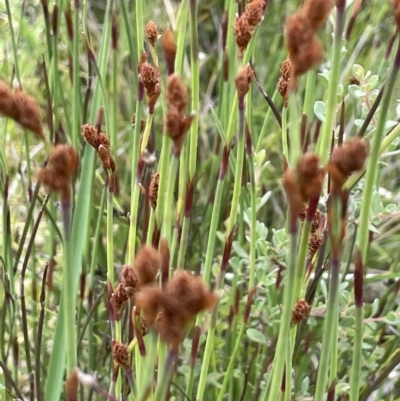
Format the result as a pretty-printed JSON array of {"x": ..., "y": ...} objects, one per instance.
[
  {"x": 326, "y": 134},
  {"x": 285, "y": 148},
  {"x": 68, "y": 292},
  {"x": 332, "y": 309},
  {"x": 136, "y": 138},
  {"x": 80, "y": 229},
  {"x": 284, "y": 329},
  {"x": 77, "y": 106},
  {"x": 194, "y": 129}
]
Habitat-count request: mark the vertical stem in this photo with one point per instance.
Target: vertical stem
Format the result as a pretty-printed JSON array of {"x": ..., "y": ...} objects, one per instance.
[
  {"x": 326, "y": 135},
  {"x": 136, "y": 137},
  {"x": 371, "y": 177}
]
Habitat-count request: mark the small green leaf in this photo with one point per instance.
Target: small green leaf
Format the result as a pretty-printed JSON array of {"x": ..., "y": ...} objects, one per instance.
[
  {"x": 256, "y": 336},
  {"x": 319, "y": 110},
  {"x": 358, "y": 72}
]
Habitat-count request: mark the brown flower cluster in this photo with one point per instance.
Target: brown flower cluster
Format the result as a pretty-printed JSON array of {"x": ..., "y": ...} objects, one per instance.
[
  {"x": 305, "y": 50},
  {"x": 61, "y": 167},
  {"x": 143, "y": 272},
  {"x": 170, "y": 309},
  {"x": 120, "y": 353},
  {"x": 176, "y": 123},
  {"x": 300, "y": 311},
  {"x": 153, "y": 189},
  {"x": 316, "y": 239},
  {"x": 304, "y": 183},
  {"x": 152, "y": 32},
  {"x": 283, "y": 82},
  {"x": 21, "y": 108},
  {"x": 245, "y": 24},
  {"x": 345, "y": 160},
  {"x": 243, "y": 80},
  {"x": 101, "y": 144},
  {"x": 149, "y": 77}
]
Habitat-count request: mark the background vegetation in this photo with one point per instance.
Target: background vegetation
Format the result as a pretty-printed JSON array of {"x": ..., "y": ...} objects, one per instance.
[{"x": 231, "y": 229}]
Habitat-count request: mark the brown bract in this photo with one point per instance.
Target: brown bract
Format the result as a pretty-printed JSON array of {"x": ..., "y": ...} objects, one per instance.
[{"x": 317, "y": 12}]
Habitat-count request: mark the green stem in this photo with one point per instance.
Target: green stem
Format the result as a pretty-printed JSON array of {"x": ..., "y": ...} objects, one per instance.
[
  {"x": 284, "y": 339},
  {"x": 285, "y": 148},
  {"x": 323, "y": 145},
  {"x": 363, "y": 232}
]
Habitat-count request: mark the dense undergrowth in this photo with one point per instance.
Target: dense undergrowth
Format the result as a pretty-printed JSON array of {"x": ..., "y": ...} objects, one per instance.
[{"x": 199, "y": 200}]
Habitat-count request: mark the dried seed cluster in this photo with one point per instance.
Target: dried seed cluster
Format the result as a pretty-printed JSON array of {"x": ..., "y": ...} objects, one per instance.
[
  {"x": 304, "y": 49},
  {"x": 304, "y": 183},
  {"x": 61, "y": 167},
  {"x": 101, "y": 144},
  {"x": 245, "y": 24},
  {"x": 21, "y": 108},
  {"x": 283, "y": 82},
  {"x": 300, "y": 311},
  {"x": 152, "y": 32},
  {"x": 176, "y": 123},
  {"x": 133, "y": 278},
  {"x": 243, "y": 81},
  {"x": 120, "y": 353},
  {"x": 153, "y": 189},
  {"x": 171, "y": 308},
  {"x": 149, "y": 76}
]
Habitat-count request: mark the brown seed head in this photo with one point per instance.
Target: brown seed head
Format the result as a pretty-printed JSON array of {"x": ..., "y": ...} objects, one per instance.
[
  {"x": 61, "y": 166},
  {"x": 118, "y": 300},
  {"x": 120, "y": 353},
  {"x": 314, "y": 243},
  {"x": 310, "y": 176},
  {"x": 176, "y": 93},
  {"x": 169, "y": 49},
  {"x": 243, "y": 80},
  {"x": 300, "y": 311},
  {"x": 317, "y": 12},
  {"x": 90, "y": 135},
  {"x": 129, "y": 278},
  {"x": 351, "y": 156},
  {"x": 7, "y": 103},
  {"x": 285, "y": 69},
  {"x": 188, "y": 295},
  {"x": 149, "y": 78},
  {"x": 147, "y": 264},
  {"x": 316, "y": 221},
  {"x": 255, "y": 12},
  {"x": 150, "y": 300},
  {"x": 152, "y": 32},
  {"x": 243, "y": 31},
  {"x": 29, "y": 116},
  {"x": 153, "y": 189},
  {"x": 292, "y": 192},
  {"x": 171, "y": 327}
]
